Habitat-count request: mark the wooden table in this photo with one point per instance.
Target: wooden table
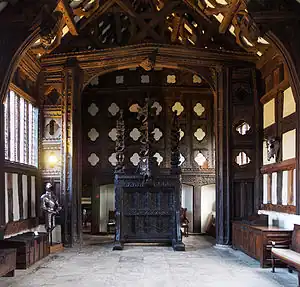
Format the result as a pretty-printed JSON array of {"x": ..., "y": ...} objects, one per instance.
[{"x": 256, "y": 240}]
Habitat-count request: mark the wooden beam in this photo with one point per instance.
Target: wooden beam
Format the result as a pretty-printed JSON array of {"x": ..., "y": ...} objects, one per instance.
[
  {"x": 65, "y": 9},
  {"x": 290, "y": 195},
  {"x": 288, "y": 164},
  {"x": 21, "y": 93}
]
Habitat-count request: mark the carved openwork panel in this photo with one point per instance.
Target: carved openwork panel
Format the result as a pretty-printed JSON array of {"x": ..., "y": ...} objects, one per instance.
[{"x": 192, "y": 102}]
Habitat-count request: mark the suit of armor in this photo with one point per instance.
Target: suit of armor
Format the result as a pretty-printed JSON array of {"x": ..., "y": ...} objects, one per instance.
[{"x": 51, "y": 207}]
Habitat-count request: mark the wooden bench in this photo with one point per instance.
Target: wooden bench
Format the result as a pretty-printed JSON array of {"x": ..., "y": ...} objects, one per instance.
[
  {"x": 30, "y": 248},
  {"x": 8, "y": 262},
  {"x": 290, "y": 256}
]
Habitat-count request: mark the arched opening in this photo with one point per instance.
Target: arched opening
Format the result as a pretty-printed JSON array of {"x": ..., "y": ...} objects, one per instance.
[{"x": 170, "y": 91}]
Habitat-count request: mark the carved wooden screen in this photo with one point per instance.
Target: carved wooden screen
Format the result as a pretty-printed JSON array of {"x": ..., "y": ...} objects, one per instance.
[
  {"x": 169, "y": 91},
  {"x": 148, "y": 211}
]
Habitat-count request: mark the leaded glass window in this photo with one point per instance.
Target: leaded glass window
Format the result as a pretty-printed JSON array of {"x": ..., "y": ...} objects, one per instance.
[{"x": 21, "y": 130}]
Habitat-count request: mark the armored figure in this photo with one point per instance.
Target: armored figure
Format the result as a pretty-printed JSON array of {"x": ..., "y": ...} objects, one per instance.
[{"x": 51, "y": 207}]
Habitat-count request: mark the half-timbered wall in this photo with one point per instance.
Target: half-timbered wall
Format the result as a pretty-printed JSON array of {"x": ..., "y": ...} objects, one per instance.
[
  {"x": 279, "y": 123},
  {"x": 21, "y": 192}
]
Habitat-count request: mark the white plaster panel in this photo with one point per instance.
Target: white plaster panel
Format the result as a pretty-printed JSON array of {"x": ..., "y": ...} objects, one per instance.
[
  {"x": 33, "y": 214},
  {"x": 265, "y": 189},
  {"x": 16, "y": 207},
  {"x": 208, "y": 205},
  {"x": 274, "y": 188},
  {"x": 294, "y": 187},
  {"x": 6, "y": 200},
  {"x": 106, "y": 204},
  {"x": 285, "y": 187},
  {"x": 289, "y": 145},
  {"x": 269, "y": 113},
  {"x": 289, "y": 104},
  {"x": 25, "y": 196},
  {"x": 188, "y": 203},
  {"x": 285, "y": 220}
]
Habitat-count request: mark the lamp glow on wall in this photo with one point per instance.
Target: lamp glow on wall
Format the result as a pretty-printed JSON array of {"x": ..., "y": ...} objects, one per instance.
[{"x": 52, "y": 159}]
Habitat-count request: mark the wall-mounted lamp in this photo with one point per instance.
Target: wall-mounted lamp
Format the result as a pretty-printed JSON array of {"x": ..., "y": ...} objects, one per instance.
[{"x": 52, "y": 159}]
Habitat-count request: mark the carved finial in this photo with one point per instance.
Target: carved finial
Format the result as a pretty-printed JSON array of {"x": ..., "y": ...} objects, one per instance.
[
  {"x": 175, "y": 137},
  {"x": 120, "y": 143}
]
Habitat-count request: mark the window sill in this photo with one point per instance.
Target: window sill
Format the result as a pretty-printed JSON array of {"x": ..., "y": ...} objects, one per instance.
[
  {"x": 291, "y": 209},
  {"x": 279, "y": 166},
  {"x": 19, "y": 167}
]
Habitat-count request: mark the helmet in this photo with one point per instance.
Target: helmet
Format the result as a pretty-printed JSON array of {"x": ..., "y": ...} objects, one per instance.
[{"x": 48, "y": 185}]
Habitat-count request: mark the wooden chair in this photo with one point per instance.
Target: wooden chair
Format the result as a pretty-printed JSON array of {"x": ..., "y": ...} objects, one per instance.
[
  {"x": 290, "y": 256},
  {"x": 184, "y": 222}
]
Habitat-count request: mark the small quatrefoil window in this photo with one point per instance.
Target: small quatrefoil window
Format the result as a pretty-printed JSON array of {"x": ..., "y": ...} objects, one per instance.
[
  {"x": 134, "y": 108},
  {"x": 135, "y": 134},
  {"x": 93, "y": 109},
  {"x": 181, "y": 134},
  {"x": 199, "y": 109},
  {"x": 93, "y": 159},
  {"x": 135, "y": 159},
  {"x": 159, "y": 158},
  {"x": 158, "y": 107},
  {"x": 178, "y": 108},
  {"x": 157, "y": 134},
  {"x": 145, "y": 79},
  {"x": 113, "y": 134},
  {"x": 197, "y": 79},
  {"x": 113, "y": 159},
  {"x": 199, "y": 134},
  {"x": 242, "y": 159},
  {"x": 119, "y": 80},
  {"x": 181, "y": 159},
  {"x": 113, "y": 109},
  {"x": 243, "y": 128},
  {"x": 93, "y": 134},
  {"x": 200, "y": 159},
  {"x": 171, "y": 79}
]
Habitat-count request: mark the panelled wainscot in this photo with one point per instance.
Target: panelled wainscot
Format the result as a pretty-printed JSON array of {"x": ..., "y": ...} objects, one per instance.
[{"x": 255, "y": 240}]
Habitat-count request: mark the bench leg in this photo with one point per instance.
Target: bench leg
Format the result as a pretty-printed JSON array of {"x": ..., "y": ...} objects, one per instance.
[
  {"x": 10, "y": 274},
  {"x": 273, "y": 264}
]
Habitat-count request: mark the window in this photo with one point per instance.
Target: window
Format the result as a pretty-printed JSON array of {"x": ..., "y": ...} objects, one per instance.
[{"x": 21, "y": 130}]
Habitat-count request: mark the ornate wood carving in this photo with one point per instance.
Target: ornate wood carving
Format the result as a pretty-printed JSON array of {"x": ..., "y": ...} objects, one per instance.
[
  {"x": 291, "y": 209},
  {"x": 120, "y": 144},
  {"x": 148, "y": 213},
  {"x": 175, "y": 153}
]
